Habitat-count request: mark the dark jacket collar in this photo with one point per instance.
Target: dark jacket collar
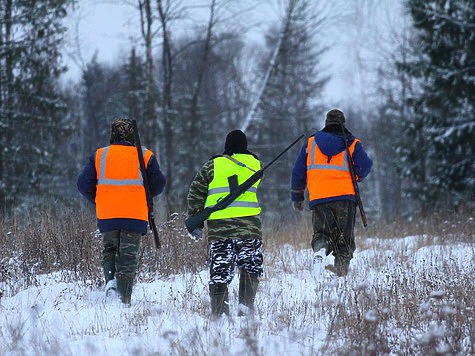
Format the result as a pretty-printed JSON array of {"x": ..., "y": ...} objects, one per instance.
[
  {"x": 122, "y": 142},
  {"x": 333, "y": 128}
]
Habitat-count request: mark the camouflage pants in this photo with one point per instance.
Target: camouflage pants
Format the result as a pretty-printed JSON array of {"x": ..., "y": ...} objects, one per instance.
[
  {"x": 120, "y": 254},
  {"x": 226, "y": 254},
  {"x": 333, "y": 225}
]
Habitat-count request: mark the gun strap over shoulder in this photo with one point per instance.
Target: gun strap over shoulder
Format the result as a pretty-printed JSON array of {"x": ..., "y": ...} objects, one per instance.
[{"x": 239, "y": 163}]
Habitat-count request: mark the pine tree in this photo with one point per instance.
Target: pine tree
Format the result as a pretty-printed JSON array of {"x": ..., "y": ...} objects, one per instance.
[
  {"x": 32, "y": 110},
  {"x": 441, "y": 131}
]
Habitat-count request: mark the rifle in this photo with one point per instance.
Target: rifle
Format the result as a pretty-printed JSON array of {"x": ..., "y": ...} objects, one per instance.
[
  {"x": 151, "y": 218},
  {"x": 353, "y": 179},
  {"x": 198, "y": 219}
]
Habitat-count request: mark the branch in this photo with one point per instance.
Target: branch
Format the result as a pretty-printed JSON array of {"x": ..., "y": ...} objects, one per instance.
[{"x": 265, "y": 81}]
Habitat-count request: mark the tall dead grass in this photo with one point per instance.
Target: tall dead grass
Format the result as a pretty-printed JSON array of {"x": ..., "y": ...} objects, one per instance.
[
  {"x": 413, "y": 307},
  {"x": 63, "y": 240},
  {"x": 405, "y": 310}
]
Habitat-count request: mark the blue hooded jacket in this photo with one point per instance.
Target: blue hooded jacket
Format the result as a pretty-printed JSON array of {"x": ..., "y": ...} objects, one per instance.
[
  {"x": 87, "y": 182},
  {"x": 330, "y": 141}
]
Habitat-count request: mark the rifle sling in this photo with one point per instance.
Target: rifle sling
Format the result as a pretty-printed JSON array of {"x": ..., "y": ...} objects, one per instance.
[
  {"x": 232, "y": 180},
  {"x": 239, "y": 163}
]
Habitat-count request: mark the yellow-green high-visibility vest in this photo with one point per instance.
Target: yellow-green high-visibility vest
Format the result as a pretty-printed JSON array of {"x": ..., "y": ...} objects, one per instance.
[{"x": 244, "y": 205}]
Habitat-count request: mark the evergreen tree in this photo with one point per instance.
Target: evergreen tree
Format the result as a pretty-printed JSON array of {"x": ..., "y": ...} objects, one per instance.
[
  {"x": 32, "y": 110},
  {"x": 291, "y": 99},
  {"x": 105, "y": 96},
  {"x": 440, "y": 132},
  {"x": 398, "y": 195}
]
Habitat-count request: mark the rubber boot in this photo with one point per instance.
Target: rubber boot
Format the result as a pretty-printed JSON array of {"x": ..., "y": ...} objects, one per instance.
[
  {"x": 124, "y": 289},
  {"x": 219, "y": 299},
  {"x": 247, "y": 293},
  {"x": 111, "y": 289},
  {"x": 341, "y": 266},
  {"x": 109, "y": 271},
  {"x": 318, "y": 244}
]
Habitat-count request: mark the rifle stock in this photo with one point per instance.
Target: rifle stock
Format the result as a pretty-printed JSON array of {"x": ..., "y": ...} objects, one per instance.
[
  {"x": 199, "y": 218},
  {"x": 153, "y": 226},
  {"x": 148, "y": 195},
  {"x": 196, "y": 221}
]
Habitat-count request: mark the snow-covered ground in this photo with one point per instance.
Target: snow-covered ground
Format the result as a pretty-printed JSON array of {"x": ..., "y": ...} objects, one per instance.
[{"x": 296, "y": 313}]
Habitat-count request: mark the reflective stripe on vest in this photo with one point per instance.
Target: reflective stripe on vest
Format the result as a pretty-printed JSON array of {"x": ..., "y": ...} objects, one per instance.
[
  {"x": 328, "y": 179},
  {"x": 247, "y": 203},
  {"x": 102, "y": 177},
  {"x": 227, "y": 190},
  {"x": 120, "y": 192}
]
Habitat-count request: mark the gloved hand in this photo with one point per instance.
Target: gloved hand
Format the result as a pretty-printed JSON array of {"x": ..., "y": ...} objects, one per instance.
[
  {"x": 196, "y": 234},
  {"x": 298, "y": 205}
]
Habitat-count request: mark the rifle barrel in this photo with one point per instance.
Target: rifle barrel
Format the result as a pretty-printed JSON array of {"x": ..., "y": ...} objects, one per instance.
[
  {"x": 148, "y": 195},
  {"x": 284, "y": 151},
  {"x": 353, "y": 180}
]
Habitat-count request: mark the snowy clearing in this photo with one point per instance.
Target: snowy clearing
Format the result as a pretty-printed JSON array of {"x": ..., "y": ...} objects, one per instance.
[{"x": 296, "y": 314}]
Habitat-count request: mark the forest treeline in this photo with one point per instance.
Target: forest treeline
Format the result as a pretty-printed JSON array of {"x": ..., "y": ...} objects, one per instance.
[{"x": 187, "y": 91}]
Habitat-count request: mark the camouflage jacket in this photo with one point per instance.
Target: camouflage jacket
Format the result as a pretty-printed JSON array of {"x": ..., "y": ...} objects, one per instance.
[{"x": 248, "y": 227}]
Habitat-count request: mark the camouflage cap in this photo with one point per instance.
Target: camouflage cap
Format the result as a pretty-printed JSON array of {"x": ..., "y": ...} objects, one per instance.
[
  {"x": 122, "y": 130},
  {"x": 335, "y": 117}
]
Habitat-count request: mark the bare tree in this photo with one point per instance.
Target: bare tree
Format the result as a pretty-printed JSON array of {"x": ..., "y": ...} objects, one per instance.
[
  {"x": 150, "y": 118},
  {"x": 262, "y": 88},
  {"x": 185, "y": 97},
  {"x": 167, "y": 12},
  {"x": 291, "y": 92}
]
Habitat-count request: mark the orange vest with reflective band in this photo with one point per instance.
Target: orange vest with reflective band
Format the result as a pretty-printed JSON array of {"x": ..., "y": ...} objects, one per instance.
[
  {"x": 328, "y": 179},
  {"x": 120, "y": 192}
]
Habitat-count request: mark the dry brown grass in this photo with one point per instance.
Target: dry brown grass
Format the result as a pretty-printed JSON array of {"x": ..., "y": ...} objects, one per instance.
[
  {"x": 58, "y": 240},
  {"x": 46, "y": 241},
  {"x": 404, "y": 309},
  {"x": 408, "y": 308},
  {"x": 178, "y": 253}
]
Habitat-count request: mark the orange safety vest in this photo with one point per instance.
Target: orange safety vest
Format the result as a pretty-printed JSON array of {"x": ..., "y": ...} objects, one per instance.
[
  {"x": 328, "y": 179},
  {"x": 120, "y": 192}
]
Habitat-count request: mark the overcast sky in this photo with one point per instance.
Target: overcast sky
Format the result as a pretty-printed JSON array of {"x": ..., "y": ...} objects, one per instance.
[{"x": 111, "y": 27}]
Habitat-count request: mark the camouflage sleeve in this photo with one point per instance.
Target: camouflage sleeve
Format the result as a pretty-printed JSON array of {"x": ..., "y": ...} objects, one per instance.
[{"x": 199, "y": 189}]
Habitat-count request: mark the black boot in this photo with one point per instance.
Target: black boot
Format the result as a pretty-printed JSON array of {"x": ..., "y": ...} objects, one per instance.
[
  {"x": 124, "y": 289},
  {"x": 219, "y": 299},
  {"x": 109, "y": 270},
  {"x": 247, "y": 292},
  {"x": 341, "y": 267}
]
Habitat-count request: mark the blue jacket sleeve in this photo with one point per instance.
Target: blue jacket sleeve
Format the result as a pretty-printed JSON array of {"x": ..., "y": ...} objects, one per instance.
[
  {"x": 362, "y": 162},
  {"x": 299, "y": 176},
  {"x": 156, "y": 179},
  {"x": 87, "y": 181}
]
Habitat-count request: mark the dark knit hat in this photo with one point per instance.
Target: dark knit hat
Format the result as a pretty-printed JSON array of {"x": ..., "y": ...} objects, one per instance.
[
  {"x": 335, "y": 117},
  {"x": 122, "y": 130},
  {"x": 236, "y": 142}
]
